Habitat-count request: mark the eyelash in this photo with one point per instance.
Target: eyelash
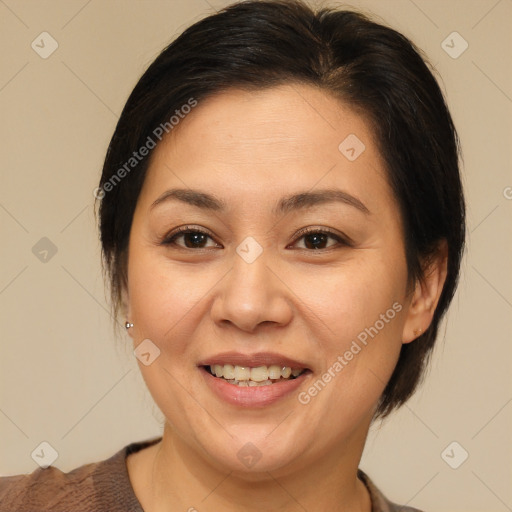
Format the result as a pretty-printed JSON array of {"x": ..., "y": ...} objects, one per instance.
[{"x": 170, "y": 239}]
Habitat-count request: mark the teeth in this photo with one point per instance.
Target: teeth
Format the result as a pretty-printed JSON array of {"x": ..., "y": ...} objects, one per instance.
[
  {"x": 250, "y": 383},
  {"x": 259, "y": 376},
  {"x": 274, "y": 372},
  {"x": 229, "y": 371},
  {"x": 242, "y": 373}
]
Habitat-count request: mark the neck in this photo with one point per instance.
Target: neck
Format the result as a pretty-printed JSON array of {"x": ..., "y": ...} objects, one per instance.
[{"x": 176, "y": 478}]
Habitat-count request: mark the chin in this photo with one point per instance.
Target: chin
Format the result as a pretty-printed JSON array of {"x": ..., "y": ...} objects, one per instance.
[{"x": 253, "y": 455}]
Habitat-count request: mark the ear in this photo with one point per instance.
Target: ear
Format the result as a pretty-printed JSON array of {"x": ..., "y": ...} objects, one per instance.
[{"x": 426, "y": 294}]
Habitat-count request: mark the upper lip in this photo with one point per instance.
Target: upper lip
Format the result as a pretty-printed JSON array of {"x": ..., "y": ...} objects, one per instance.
[{"x": 252, "y": 360}]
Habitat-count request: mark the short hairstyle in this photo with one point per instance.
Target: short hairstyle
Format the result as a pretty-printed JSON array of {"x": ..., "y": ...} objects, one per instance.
[{"x": 371, "y": 68}]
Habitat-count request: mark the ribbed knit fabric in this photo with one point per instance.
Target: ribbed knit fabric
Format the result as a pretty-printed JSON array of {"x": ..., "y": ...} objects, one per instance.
[{"x": 104, "y": 487}]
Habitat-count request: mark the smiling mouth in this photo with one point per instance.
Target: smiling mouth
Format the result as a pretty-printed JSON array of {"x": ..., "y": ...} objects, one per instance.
[{"x": 245, "y": 376}]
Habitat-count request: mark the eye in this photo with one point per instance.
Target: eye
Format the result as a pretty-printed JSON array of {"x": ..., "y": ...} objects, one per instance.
[
  {"x": 319, "y": 239},
  {"x": 189, "y": 238}
]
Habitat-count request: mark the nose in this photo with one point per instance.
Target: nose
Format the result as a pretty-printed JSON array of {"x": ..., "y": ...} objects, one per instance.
[{"x": 252, "y": 295}]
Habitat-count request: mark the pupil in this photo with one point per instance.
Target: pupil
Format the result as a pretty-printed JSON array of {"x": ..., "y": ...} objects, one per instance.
[
  {"x": 194, "y": 239},
  {"x": 315, "y": 241}
]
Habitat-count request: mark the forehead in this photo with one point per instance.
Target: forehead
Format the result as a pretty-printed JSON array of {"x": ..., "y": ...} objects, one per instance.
[
  {"x": 275, "y": 121},
  {"x": 250, "y": 143}
]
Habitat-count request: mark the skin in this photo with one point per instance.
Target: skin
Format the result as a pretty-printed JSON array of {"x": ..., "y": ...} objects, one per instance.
[{"x": 251, "y": 149}]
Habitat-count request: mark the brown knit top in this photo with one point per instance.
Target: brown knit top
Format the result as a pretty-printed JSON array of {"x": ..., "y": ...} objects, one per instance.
[{"x": 104, "y": 487}]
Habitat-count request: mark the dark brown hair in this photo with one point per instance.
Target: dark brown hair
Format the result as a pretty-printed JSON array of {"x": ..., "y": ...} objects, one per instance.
[{"x": 372, "y": 68}]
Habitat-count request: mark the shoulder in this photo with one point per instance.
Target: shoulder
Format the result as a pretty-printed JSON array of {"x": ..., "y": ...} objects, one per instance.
[
  {"x": 98, "y": 486},
  {"x": 46, "y": 489},
  {"x": 379, "y": 502}
]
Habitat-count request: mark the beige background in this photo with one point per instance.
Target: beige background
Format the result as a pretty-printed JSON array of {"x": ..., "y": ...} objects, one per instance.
[{"x": 65, "y": 380}]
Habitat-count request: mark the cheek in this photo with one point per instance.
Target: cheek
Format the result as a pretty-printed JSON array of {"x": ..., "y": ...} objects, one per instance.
[
  {"x": 157, "y": 286},
  {"x": 360, "y": 319},
  {"x": 163, "y": 296},
  {"x": 166, "y": 308},
  {"x": 351, "y": 297}
]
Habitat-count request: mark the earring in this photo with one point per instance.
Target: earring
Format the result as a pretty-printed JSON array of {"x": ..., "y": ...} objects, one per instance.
[
  {"x": 128, "y": 325},
  {"x": 417, "y": 332}
]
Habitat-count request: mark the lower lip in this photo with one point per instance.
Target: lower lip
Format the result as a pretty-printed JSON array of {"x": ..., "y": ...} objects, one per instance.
[{"x": 251, "y": 396}]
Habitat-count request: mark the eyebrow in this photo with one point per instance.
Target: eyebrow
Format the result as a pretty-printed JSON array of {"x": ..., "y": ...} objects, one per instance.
[{"x": 293, "y": 202}]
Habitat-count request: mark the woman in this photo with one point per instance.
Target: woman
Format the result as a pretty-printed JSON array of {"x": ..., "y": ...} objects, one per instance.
[{"x": 280, "y": 209}]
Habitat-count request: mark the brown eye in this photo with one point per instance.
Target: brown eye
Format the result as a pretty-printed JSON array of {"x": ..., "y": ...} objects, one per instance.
[
  {"x": 316, "y": 239},
  {"x": 190, "y": 239},
  {"x": 193, "y": 240}
]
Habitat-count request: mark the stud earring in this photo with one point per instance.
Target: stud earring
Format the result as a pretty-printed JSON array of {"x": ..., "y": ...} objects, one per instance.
[
  {"x": 417, "y": 332},
  {"x": 128, "y": 325}
]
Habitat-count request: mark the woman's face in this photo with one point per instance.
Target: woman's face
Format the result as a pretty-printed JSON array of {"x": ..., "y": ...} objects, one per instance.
[{"x": 292, "y": 258}]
